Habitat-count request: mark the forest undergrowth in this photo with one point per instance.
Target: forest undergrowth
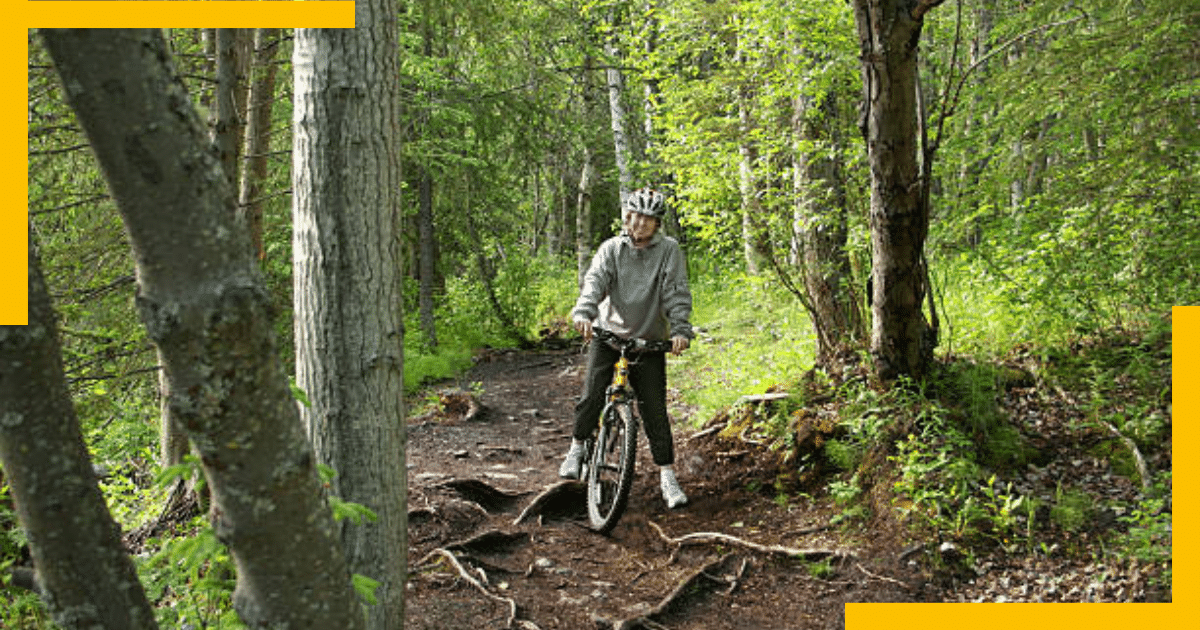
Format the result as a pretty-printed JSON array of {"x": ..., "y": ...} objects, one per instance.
[{"x": 1027, "y": 443}]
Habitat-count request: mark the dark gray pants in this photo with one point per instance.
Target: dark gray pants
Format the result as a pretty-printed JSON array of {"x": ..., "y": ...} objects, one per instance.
[{"x": 648, "y": 376}]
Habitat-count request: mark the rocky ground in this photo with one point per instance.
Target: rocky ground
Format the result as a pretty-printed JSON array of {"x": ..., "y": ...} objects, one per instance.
[{"x": 480, "y": 557}]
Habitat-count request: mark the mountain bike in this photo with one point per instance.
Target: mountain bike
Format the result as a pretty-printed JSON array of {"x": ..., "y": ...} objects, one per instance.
[{"x": 612, "y": 450}]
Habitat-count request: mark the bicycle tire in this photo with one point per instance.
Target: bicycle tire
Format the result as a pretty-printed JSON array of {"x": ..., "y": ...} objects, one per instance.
[{"x": 610, "y": 474}]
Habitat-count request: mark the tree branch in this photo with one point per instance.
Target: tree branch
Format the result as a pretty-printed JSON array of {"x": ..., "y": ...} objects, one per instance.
[
  {"x": 73, "y": 204},
  {"x": 923, "y": 7},
  {"x": 953, "y": 105}
]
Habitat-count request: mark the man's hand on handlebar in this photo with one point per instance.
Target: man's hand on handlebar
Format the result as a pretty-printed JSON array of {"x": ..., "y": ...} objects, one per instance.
[
  {"x": 678, "y": 343},
  {"x": 584, "y": 327}
]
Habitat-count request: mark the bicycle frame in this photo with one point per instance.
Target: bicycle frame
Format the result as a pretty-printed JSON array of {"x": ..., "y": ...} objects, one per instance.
[{"x": 615, "y": 438}]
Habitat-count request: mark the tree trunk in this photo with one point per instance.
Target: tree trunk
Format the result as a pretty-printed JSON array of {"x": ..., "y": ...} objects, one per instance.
[
  {"x": 821, "y": 228},
  {"x": 86, "y": 577},
  {"x": 204, "y": 305},
  {"x": 348, "y": 283},
  {"x": 258, "y": 134},
  {"x": 587, "y": 176},
  {"x": 426, "y": 259},
  {"x": 229, "y": 130},
  {"x": 583, "y": 217},
  {"x": 975, "y": 161},
  {"x": 227, "y": 135},
  {"x": 748, "y": 189},
  {"x": 487, "y": 277},
  {"x": 889, "y": 31},
  {"x": 753, "y": 234},
  {"x": 426, "y": 241},
  {"x": 618, "y": 117}
]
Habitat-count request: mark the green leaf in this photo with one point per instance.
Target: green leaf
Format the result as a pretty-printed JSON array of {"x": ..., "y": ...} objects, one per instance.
[
  {"x": 365, "y": 587},
  {"x": 299, "y": 394},
  {"x": 190, "y": 466},
  {"x": 356, "y": 512},
  {"x": 326, "y": 472}
]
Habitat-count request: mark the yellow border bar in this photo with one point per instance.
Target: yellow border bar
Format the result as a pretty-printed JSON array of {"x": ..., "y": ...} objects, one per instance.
[
  {"x": 274, "y": 13},
  {"x": 14, "y": 224},
  {"x": 14, "y": 57},
  {"x": 1185, "y": 372}
]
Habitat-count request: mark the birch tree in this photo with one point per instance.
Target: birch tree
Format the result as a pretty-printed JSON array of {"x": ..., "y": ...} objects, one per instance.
[
  {"x": 587, "y": 178},
  {"x": 349, "y": 328},
  {"x": 618, "y": 116}
]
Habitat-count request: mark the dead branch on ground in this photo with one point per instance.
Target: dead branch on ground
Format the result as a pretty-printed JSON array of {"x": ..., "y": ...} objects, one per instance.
[
  {"x": 881, "y": 577},
  {"x": 716, "y": 428},
  {"x": 479, "y": 586},
  {"x": 1143, "y": 472}
]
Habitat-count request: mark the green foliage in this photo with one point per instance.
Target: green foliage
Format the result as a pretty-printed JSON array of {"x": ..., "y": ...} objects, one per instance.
[
  {"x": 356, "y": 512},
  {"x": 821, "y": 569},
  {"x": 535, "y": 292},
  {"x": 971, "y": 389},
  {"x": 730, "y": 76},
  {"x": 18, "y": 608},
  {"x": 1068, "y": 210},
  {"x": 751, "y": 334},
  {"x": 843, "y": 454},
  {"x": 365, "y": 587},
  {"x": 191, "y": 577},
  {"x": 1149, "y": 535},
  {"x": 847, "y": 495},
  {"x": 1073, "y": 200},
  {"x": 1072, "y": 508},
  {"x": 298, "y": 393}
]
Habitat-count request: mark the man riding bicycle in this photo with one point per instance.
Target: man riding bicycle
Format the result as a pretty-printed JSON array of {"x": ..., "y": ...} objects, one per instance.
[{"x": 637, "y": 288}]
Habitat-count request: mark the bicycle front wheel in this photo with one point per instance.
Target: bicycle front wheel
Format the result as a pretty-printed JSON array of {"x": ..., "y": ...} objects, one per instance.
[{"x": 611, "y": 471}]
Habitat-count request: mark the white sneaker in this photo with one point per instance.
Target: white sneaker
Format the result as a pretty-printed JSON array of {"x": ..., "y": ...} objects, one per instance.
[
  {"x": 672, "y": 493},
  {"x": 570, "y": 465}
]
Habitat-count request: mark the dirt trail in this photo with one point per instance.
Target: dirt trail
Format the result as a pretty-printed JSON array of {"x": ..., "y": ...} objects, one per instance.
[{"x": 474, "y": 567}]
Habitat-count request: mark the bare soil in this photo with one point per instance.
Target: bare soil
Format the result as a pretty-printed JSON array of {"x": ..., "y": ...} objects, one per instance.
[
  {"x": 475, "y": 477},
  {"x": 488, "y": 453}
]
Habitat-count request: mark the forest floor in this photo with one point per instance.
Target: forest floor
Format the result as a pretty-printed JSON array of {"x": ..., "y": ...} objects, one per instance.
[{"x": 473, "y": 565}]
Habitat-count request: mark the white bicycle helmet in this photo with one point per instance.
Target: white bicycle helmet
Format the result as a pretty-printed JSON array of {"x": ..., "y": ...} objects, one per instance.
[{"x": 646, "y": 201}]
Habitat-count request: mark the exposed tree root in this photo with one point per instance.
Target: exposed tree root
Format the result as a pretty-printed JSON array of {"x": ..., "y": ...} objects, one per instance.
[
  {"x": 560, "y": 499},
  {"x": 490, "y": 498},
  {"x": 651, "y": 619},
  {"x": 480, "y": 585},
  {"x": 492, "y": 540},
  {"x": 881, "y": 577},
  {"x": 707, "y": 538}
]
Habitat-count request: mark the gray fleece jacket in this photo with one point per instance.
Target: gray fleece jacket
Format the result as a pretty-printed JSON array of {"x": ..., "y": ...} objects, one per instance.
[{"x": 637, "y": 293}]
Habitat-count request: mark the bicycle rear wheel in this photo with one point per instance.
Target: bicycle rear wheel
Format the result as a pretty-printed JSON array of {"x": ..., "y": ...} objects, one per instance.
[{"x": 610, "y": 474}]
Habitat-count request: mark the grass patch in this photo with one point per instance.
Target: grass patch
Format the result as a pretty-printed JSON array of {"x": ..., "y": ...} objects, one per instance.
[{"x": 751, "y": 334}]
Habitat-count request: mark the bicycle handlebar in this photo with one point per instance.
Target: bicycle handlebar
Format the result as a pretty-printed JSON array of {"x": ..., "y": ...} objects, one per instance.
[{"x": 631, "y": 344}]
